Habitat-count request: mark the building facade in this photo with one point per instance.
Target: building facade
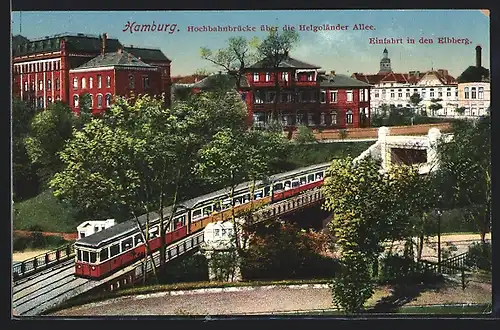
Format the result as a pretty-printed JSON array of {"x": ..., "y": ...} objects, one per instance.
[
  {"x": 113, "y": 74},
  {"x": 395, "y": 89},
  {"x": 41, "y": 67},
  {"x": 308, "y": 96},
  {"x": 474, "y": 89}
]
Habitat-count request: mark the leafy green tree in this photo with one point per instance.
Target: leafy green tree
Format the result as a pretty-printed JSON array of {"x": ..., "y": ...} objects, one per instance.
[
  {"x": 460, "y": 111},
  {"x": 85, "y": 114},
  {"x": 435, "y": 106},
  {"x": 50, "y": 130},
  {"x": 234, "y": 58},
  {"x": 25, "y": 180},
  {"x": 304, "y": 135},
  {"x": 273, "y": 51},
  {"x": 465, "y": 171}
]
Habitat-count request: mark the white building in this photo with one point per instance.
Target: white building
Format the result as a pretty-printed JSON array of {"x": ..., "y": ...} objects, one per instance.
[
  {"x": 474, "y": 89},
  {"x": 435, "y": 86},
  {"x": 88, "y": 228}
]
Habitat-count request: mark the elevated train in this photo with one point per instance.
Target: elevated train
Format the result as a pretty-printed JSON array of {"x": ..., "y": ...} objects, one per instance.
[{"x": 109, "y": 250}]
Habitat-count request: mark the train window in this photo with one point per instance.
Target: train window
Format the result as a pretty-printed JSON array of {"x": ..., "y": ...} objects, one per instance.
[
  {"x": 295, "y": 183},
  {"x": 86, "y": 256},
  {"x": 216, "y": 232},
  {"x": 246, "y": 198},
  {"x": 217, "y": 206},
  {"x": 287, "y": 185},
  {"x": 153, "y": 232},
  {"x": 93, "y": 257},
  {"x": 303, "y": 180},
  {"x": 258, "y": 194},
  {"x": 267, "y": 191},
  {"x": 207, "y": 210},
  {"x": 179, "y": 222},
  {"x": 114, "y": 250},
  {"x": 223, "y": 232},
  {"x": 237, "y": 201},
  {"x": 138, "y": 239},
  {"x": 226, "y": 204},
  {"x": 127, "y": 244},
  {"x": 319, "y": 175},
  {"x": 196, "y": 214},
  {"x": 278, "y": 187},
  {"x": 104, "y": 254},
  {"x": 310, "y": 178},
  {"x": 79, "y": 255}
]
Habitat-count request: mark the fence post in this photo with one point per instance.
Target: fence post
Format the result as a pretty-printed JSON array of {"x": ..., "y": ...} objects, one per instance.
[
  {"x": 46, "y": 258},
  {"x": 463, "y": 278}
]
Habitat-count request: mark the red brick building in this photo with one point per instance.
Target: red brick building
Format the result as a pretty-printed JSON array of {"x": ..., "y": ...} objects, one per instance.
[
  {"x": 111, "y": 74},
  {"x": 41, "y": 67},
  {"x": 308, "y": 96}
]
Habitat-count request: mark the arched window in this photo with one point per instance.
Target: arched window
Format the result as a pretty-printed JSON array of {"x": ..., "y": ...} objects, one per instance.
[
  {"x": 75, "y": 101},
  {"x": 49, "y": 84},
  {"x": 333, "y": 118},
  {"x": 348, "y": 115},
  {"x": 99, "y": 100},
  {"x": 466, "y": 92},
  {"x": 473, "y": 92},
  {"x": 108, "y": 100},
  {"x": 91, "y": 98},
  {"x": 480, "y": 93},
  {"x": 84, "y": 83},
  {"x": 108, "y": 81},
  {"x": 75, "y": 83},
  {"x": 57, "y": 84},
  {"x": 40, "y": 85},
  {"x": 91, "y": 82},
  {"x": 131, "y": 82},
  {"x": 49, "y": 100}
]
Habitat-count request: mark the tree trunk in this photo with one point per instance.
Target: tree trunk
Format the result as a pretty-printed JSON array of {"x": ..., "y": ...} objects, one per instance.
[
  {"x": 420, "y": 246},
  {"x": 145, "y": 237}
]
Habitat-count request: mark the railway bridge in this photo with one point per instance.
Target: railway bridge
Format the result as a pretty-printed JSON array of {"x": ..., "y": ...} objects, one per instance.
[{"x": 40, "y": 285}]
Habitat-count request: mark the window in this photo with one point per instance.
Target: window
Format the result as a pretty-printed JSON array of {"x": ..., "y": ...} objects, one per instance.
[
  {"x": 431, "y": 94},
  {"x": 268, "y": 76},
  {"x": 108, "y": 100},
  {"x": 270, "y": 96},
  {"x": 40, "y": 102},
  {"x": 49, "y": 100},
  {"x": 349, "y": 116},
  {"x": 91, "y": 97},
  {"x": 258, "y": 97},
  {"x": 377, "y": 94},
  {"x": 448, "y": 93},
  {"x": 58, "y": 85},
  {"x": 131, "y": 81},
  {"x": 127, "y": 244},
  {"x": 114, "y": 250},
  {"x": 423, "y": 93},
  {"x": 349, "y": 96},
  {"x": 322, "y": 96},
  {"x": 284, "y": 76},
  {"x": 145, "y": 82},
  {"x": 480, "y": 94},
  {"x": 333, "y": 96},
  {"x": 333, "y": 118},
  {"x": 85, "y": 256},
  {"x": 108, "y": 82},
  {"x": 99, "y": 100},
  {"x": 91, "y": 82},
  {"x": 104, "y": 254},
  {"x": 84, "y": 83},
  {"x": 400, "y": 93},
  {"x": 49, "y": 84},
  {"x": 75, "y": 83},
  {"x": 40, "y": 85},
  {"x": 256, "y": 76},
  {"x": 25, "y": 86},
  {"x": 473, "y": 93},
  {"x": 361, "y": 96},
  {"x": 137, "y": 239},
  {"x": 322, "y": 120},
  {"x": 440, "y": 94},
  {"x": 93, "y": 257},
  {"x": 310, "y": 76},
  {"x": 285, "y": 97},
  {"x": 75, "y": 101},
  {"x": 99, "y": 81},
  {"x": 392, "y": 94},
  {"x": 466, "y": 92},
  {"x": 408, "y": 95}
]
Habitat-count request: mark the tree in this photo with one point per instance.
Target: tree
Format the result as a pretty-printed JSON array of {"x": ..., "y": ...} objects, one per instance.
[
  {"x": 460, "y": 111},
  {"x": 465, "y": 171},
  {"x": 234, "y": 58},
  {"x": 85, "y": 114},
  {"x": 273, "y": 50},
  {"x": 304, "y": 135},
  {"x": 415, "y": 100},
  {"x": 435, "y": 106},
  {"x": 50, "y": 130},
  {"x": 25, "y": 180}
]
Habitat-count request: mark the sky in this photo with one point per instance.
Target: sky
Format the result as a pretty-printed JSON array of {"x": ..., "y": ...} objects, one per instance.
[{"x": 344, "y": 51}]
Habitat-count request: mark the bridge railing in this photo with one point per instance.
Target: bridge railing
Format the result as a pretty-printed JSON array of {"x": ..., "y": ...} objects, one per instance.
[
  {"x": 42, "y": 261},
  {"x": 451, "y": 266}
]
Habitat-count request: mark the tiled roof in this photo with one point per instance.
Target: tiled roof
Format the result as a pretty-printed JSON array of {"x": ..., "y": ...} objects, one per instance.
[
  {"x": 340, "y": 80},
  {"x": 18, "y": 40},
  {"x": 147, "y": 54},
  {"x": 194, "y": 78},
  {"x": 212, "y": 80},
  {"x": 403, "y": 78},
  {"x": 369, "y": 78},
  {"x": 74, "y": 43},
  {"x": 288, "y": 63},
  {"x": 443, "y": 77},
  {"x": 119, "y": 58},
  {"x": 474, "y": 74}
]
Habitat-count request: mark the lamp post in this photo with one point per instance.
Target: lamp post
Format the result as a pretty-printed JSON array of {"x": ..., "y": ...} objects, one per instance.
[{"x": 439, "y": 240}]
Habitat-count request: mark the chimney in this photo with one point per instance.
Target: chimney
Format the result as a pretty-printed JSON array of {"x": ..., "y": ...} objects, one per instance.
[
  {"x": 478, "y": 56},
  {"x": 104, "y": 42}
]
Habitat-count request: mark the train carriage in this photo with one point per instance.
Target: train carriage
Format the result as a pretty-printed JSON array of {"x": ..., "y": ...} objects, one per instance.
[{"x": 108, "y": 250}]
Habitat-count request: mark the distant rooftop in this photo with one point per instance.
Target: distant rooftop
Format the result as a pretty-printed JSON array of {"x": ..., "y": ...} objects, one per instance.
[
  {"x": 288, "y": 63},
  {"x": 119, "y": 58},
  {"x": 340, "y": 80}
]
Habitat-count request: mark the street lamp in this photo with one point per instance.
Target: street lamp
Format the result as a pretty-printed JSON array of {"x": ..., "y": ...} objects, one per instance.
[{"x": 439, "y": 213}]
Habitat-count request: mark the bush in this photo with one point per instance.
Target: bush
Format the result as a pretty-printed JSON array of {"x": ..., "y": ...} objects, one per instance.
[
  {"x": 479, "y": 256},
  {"x": 20, "y": 243},
  {"x": 396, "y": 269},
  {"x": 193, "y": 268}
]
